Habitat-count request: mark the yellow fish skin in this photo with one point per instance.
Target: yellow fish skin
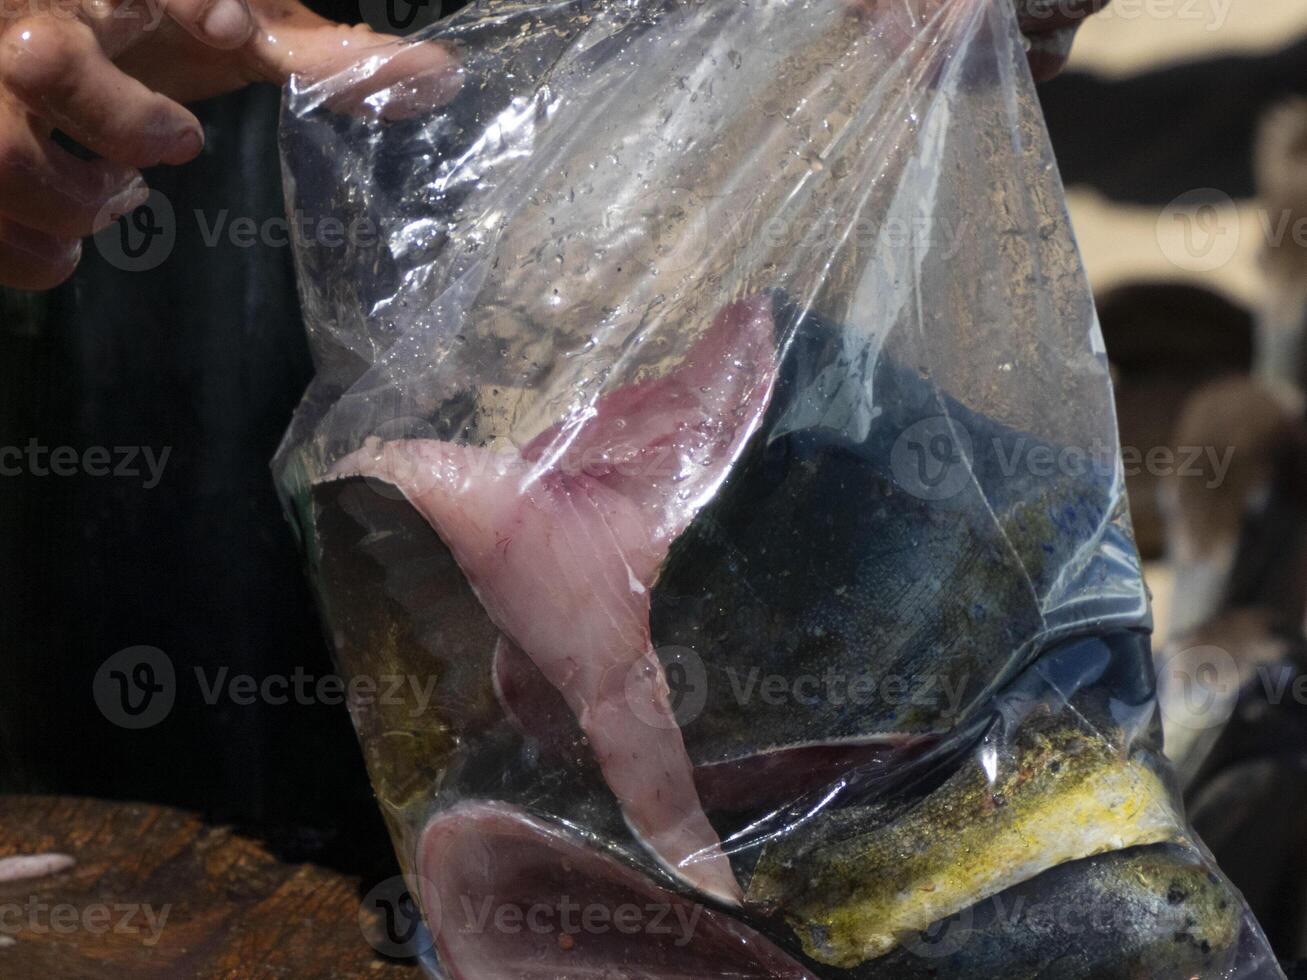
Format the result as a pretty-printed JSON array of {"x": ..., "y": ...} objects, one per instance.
[{"x": 1054, "y": 791}]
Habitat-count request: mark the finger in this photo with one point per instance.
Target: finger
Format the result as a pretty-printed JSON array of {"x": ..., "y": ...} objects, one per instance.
[
  {"x": 1044, "y": 16},
  {"x": 1049, "y": 52},
  {"x": 46, "y": 188},
  {"x": 1050, "y": 28},
  {"x": 357, "y": 67},
  {"x": 56, "y": 68},
  {"x": 31, "y": 259},
  {"x": 221, "y": 23}
]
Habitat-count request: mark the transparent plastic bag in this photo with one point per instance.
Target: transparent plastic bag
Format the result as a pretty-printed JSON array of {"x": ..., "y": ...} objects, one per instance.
[{"x": 718, "y": 423}]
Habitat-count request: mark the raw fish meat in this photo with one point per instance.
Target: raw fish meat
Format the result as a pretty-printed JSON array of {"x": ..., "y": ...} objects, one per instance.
[
  {"x": 511, "y": 897},
  {"x": 563, "y": 543}
]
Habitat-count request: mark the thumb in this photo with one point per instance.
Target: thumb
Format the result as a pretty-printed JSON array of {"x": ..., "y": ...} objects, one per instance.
[
  {"x": 219, "y": 23},
  {"x": 353, "y": 68}
]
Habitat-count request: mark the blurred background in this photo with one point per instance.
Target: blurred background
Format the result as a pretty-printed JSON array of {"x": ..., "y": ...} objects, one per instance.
[
  {"x": 1181, "y": 132},
  {"x": 1184, "y": 149},
  {"x": 1184, "y": 193}
]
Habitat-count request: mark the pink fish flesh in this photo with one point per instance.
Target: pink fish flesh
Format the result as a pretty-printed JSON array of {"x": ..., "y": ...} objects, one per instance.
[
  {"x": 563, "y": 542},
  {"x": 753, "y": 784},
  {"x": 511, "y": 897}
]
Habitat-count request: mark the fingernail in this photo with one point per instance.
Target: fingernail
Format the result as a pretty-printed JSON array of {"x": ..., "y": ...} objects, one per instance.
[
  {"x": 185, "y": 146},
  {"x": 127, "y": 200},
  {"x": 227, "y": 23}
]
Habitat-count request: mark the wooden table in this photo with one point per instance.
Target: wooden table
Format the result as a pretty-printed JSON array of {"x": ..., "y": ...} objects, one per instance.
[{"x": 156, "y": 893}]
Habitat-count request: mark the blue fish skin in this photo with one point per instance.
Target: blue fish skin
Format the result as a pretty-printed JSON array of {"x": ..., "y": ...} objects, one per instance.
[{"x": 830, "y": 600}]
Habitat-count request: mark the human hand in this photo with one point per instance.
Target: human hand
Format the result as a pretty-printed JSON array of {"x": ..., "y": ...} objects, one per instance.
[
  {"x": 112, "y": 74},
  {"x": 1050, "y": 26}
]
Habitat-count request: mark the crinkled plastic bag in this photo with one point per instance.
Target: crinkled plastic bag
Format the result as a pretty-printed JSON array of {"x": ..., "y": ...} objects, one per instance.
[{"x": 712, "y": 418}]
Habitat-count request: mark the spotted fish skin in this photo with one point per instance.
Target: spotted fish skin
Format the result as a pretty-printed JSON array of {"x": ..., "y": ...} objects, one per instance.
[
  {"x": 1160, "y": 911},
  {"x": 1060, "y": 794},
  {"x": 831, "y": 603},
  {"x": 1069, "y": 768}
]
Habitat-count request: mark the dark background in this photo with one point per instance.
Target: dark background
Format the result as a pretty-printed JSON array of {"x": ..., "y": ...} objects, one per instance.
[{"x": 205, "y": 355}]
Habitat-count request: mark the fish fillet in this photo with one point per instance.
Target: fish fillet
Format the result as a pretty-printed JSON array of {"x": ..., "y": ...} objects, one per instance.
[
  {"x": 563, "y": 542},
  {"x": 511, "y": 897}
]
